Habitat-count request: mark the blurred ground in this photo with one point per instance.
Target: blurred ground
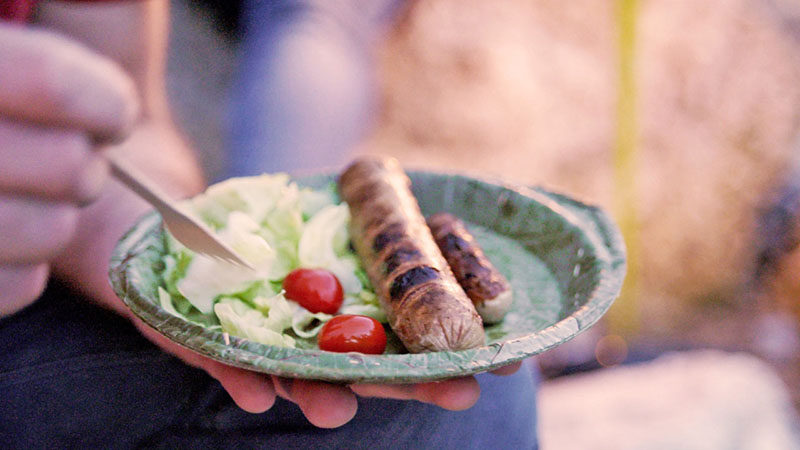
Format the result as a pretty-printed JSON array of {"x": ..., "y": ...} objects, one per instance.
[
  {"x": 526, "y": 90},
  {"x": 687, "y": 400}
]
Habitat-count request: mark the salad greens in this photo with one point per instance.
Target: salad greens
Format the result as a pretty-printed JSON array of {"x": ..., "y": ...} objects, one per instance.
[{"x": 277, "y": 227}]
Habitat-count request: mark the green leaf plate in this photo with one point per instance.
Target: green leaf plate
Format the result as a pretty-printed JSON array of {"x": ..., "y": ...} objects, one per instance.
[{"x": 565, "y": 261}]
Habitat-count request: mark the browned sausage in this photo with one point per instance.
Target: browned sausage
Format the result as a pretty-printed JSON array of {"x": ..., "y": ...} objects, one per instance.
[
  {"x": 425, "y": 305},
  {"x": 484, "y": 284}
]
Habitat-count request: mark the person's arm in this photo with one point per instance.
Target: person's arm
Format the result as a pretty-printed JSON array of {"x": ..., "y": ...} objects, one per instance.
[
  {"x": 125, "y": 40},
  {"x": 133, "y": 34}
]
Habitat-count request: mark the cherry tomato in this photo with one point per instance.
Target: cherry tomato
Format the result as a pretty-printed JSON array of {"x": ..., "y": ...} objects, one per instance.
[
  {"x": 352, "y": 333},
  {"x": 316, "y": 290}
]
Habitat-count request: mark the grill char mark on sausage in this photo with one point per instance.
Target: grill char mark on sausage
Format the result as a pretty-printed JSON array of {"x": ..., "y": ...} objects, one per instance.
[
  {"x": 476, "y": 274},
  {"x": 409, "y": 279},
  {"x": 425, "y": 305},
  {"x": 404, "y": 253},
  {"x": 391, "y": 233}
]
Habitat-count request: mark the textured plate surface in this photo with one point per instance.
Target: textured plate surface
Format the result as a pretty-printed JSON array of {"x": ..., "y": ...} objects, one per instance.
[{"x": 565, "y": 261}]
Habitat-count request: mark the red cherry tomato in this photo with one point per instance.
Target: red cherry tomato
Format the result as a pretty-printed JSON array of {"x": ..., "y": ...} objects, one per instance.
[
  {"x": 316, "y": 290},
  {"x": 352, "y": 333}
]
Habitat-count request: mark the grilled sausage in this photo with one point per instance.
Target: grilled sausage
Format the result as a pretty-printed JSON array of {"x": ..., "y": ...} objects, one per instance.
[
  {"x": 488, "y": 289},
  {"x": 425, "y": 305}
]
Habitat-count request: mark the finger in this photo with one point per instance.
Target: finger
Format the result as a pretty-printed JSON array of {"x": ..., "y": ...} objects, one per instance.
[
  {"x": 20, "y": 286},
  {"x": 251, "y": 391},
  {"x": 50, "y": 163},
  {"x": 34, "y": 231},
  {"x": 508, "y": 370},
  {"x": 455, "y": 394},
  {"x": 50, "y": 80},
  {"x": 325, "y": 405}
]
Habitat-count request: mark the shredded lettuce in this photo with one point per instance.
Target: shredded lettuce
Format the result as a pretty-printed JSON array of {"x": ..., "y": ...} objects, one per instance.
[
  {"x": 277, "y": 310},
  {"x": 324, "y": 244},
  {"x": 239, "y": 319},
  {"x": 366, "y": 304},
  {"x": 277, "y": 227},
  {"x": 307, "y": 324},
  {"x": 174, "y": 306},
  {"x": 312, "y": 201},
  {"x": 254, "y": 196},
  {"x": 166, "y": 302}
]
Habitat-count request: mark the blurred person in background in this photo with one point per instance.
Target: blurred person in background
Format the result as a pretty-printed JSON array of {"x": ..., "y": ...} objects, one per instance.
[
  {"x": 305, "y": 92},
  {"x": 81, "y": 78}
]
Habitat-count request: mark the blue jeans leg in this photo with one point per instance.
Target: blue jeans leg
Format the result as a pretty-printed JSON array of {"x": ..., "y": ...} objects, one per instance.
[
  {"x": 74, "y": 375},
  {"x": 304, "y": 91},
  {"x": 503, "y": 418}
]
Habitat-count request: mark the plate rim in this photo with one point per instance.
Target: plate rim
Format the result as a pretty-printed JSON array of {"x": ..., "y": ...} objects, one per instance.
[{"x": 212, "y": 343}]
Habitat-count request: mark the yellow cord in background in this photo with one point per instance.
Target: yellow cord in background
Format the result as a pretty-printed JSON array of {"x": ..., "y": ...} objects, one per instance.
[{"x": 623, "y": 317}]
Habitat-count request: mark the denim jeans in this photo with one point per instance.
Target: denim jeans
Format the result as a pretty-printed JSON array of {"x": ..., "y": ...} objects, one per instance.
[{"x": 76, "y": 376}]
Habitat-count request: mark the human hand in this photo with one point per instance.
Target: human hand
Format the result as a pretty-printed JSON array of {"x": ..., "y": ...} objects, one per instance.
[
  {"x": 73, "y": 107},
  {"x": 57, "y": 99},
  {"x": 59, "y": 102},
  {"x": 325, "y": 405},
  {"x": 329, "y": 405}
]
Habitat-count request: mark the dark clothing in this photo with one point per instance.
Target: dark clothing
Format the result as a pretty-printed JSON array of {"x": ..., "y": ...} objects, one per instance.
[{"x": 76, "y": 376}]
